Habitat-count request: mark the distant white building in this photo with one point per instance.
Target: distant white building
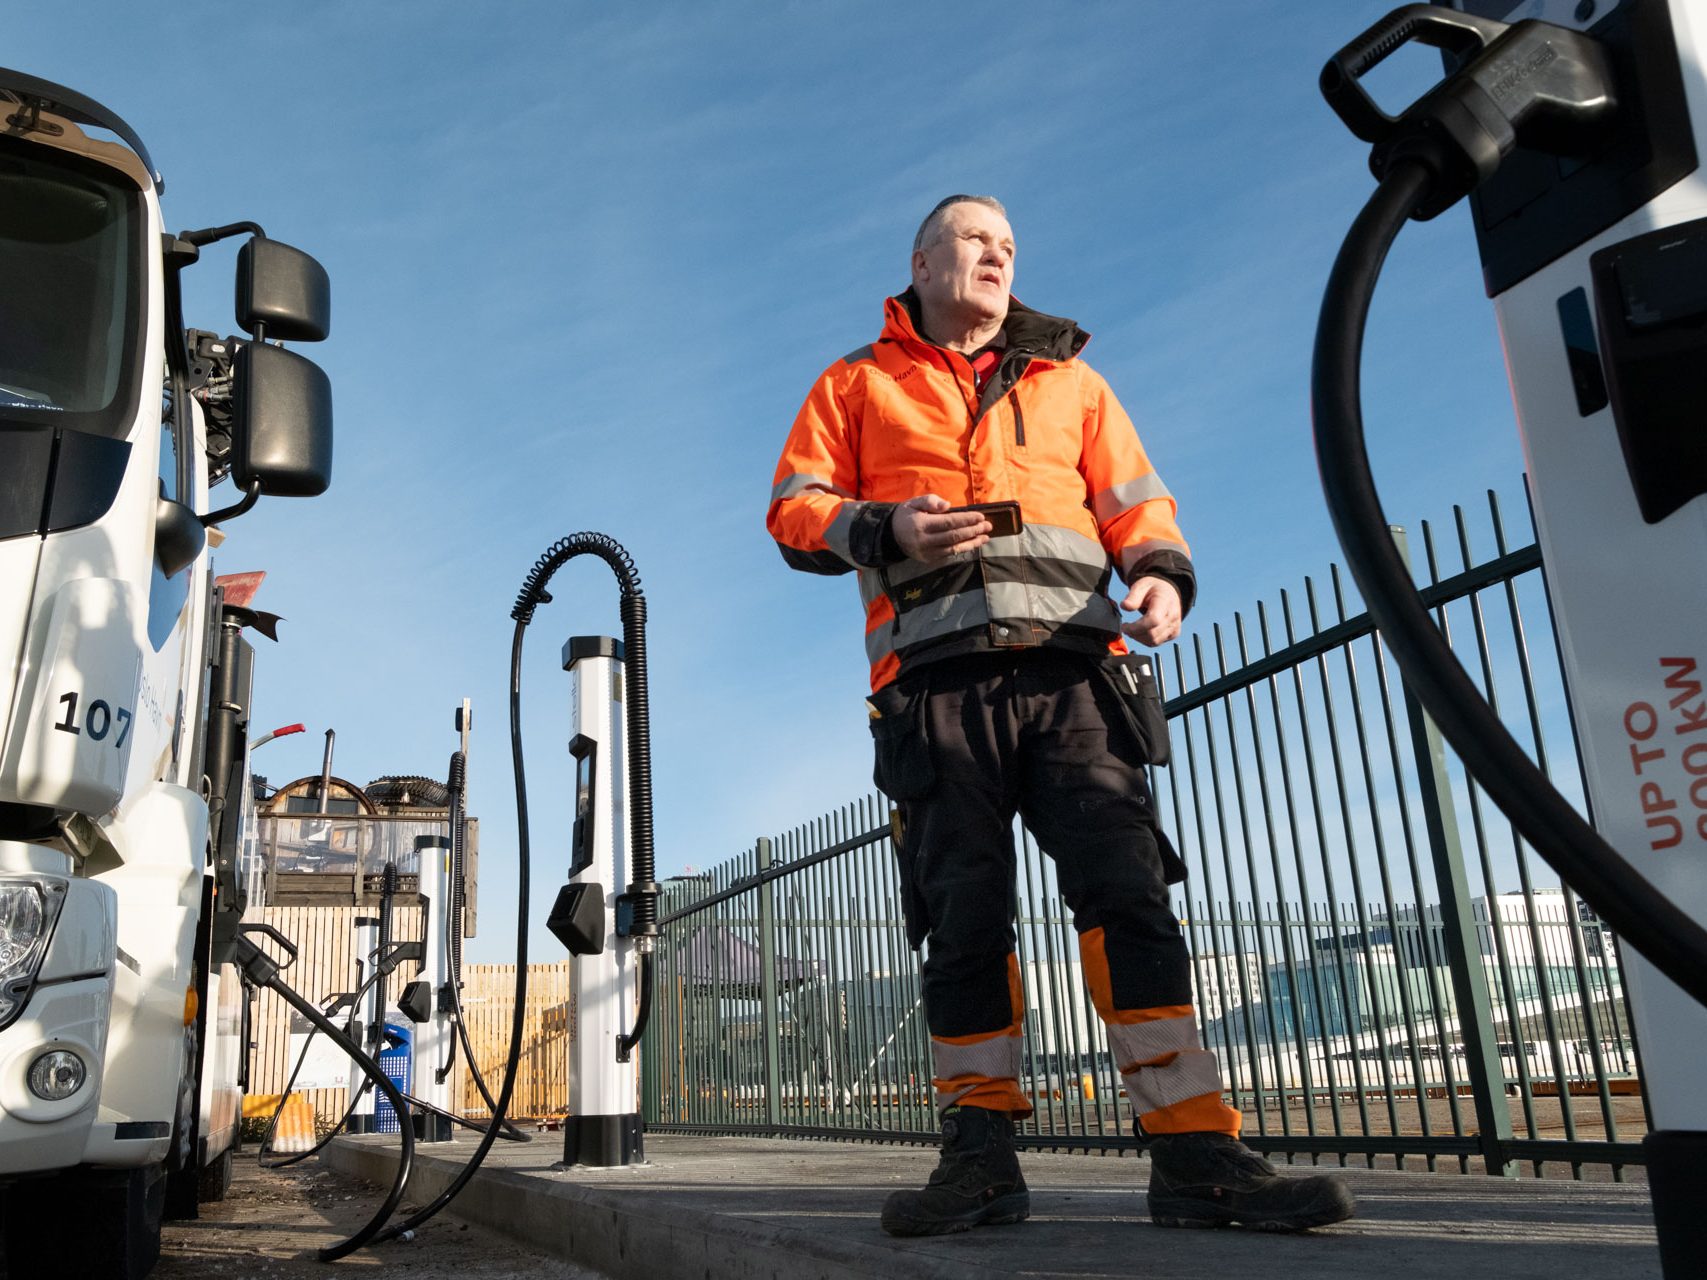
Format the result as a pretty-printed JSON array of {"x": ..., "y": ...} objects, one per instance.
[{"x": 1365, "y": 978}]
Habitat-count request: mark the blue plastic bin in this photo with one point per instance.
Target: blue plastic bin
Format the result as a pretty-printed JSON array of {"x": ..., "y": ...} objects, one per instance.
[{"x": 397, "y": 1061}]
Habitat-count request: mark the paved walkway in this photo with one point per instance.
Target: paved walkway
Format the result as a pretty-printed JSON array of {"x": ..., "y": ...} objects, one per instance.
[{"x": 717, "y": 1208}]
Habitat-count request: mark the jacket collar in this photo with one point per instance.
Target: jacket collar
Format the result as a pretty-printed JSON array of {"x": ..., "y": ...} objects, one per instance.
[{"x": 1028, "y": 332}]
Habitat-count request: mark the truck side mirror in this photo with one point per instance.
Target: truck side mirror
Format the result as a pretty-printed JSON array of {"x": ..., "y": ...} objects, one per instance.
[
  {"x": 282, "y": 293},
  {"x": 282, "y": 422}
]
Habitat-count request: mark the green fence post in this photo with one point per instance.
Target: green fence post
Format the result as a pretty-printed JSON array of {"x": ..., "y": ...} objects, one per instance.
[
  {"x": 651, "y": 1080},
  {"x": 1469, "y": 982},
  {"x": 767, "y": 988}
]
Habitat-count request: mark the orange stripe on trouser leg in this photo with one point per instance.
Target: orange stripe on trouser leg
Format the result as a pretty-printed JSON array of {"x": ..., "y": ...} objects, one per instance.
[
  {"x": 1204, "y": 1114},
  {"x": 982, "y": 1070},
  {"x": 992, "y": 1095},
  {"x": 1094, "y": 957},
  {"x": 1159, "y": 1056}
]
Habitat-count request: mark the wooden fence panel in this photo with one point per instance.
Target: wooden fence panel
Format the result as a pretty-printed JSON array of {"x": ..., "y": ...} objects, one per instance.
[{"x": 542, "y": 1080}]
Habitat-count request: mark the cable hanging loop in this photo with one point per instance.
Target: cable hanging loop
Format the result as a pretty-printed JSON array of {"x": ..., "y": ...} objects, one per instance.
[{"x": 533, "y": 592}]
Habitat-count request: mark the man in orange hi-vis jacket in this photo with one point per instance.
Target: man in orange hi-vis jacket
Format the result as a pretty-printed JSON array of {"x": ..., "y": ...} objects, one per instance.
[{"x": 1000, "y": 685}]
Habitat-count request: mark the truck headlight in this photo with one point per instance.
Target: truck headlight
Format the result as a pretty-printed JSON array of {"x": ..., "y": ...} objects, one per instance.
[
  {"x": 28, "y": 910},
  {"x": 56, "y": 1075}
]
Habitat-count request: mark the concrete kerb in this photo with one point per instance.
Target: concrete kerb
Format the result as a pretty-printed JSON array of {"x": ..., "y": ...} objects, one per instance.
[
  {"x": 611, "y": 1227},
  {"x": 748, "y": 1208}
]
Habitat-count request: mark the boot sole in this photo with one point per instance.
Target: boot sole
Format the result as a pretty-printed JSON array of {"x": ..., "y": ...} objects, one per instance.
[
  {"x": 1000, "y": 1212},
  {"x": 1201, "y": 1217}
]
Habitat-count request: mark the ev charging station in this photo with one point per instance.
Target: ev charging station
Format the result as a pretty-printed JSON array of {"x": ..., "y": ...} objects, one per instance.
[
  {"x": 428, "y": 1000},
  {"x": 368, "y": 1022},
  {"x": 1576, "y": 127},
  {"x": 1608, "y": 361},
  {"x": 603, "y": 1127}
]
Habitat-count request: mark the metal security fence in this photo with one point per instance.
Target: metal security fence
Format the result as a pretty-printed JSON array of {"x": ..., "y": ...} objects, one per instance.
[{"x": 1384, "y": 969}]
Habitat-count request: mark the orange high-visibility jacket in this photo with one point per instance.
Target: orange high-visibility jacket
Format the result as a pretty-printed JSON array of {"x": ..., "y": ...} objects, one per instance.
[{"x": 902, "y": 418}]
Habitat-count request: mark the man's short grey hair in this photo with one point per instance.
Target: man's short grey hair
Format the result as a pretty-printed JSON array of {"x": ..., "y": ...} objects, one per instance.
[{"x": 934, "y": 216}]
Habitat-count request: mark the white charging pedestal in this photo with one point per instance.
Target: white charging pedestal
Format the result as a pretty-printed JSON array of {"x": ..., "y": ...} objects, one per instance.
[
  {"x": 367, "y": 1025},
  {"x": 434, "y": 1035},
  {"x": 603, "y": 1126}
]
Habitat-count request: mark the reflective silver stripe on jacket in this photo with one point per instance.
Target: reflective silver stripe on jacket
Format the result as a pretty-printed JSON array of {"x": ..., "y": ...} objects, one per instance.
[
  {"x": 1022, "y": 602},
  {"x": 943, "y": 617},
  {"x": 840, "y": 529},
  {"x": 1012, "y": 603},
  {"x": 1016, "y": 602},
  {"x": 1035, "y": 542},
  {"x": 1131, "y": 558},
  {"x": 788, "y": 486},
  {"x": 1050, "y": 542},
  {"x": 1123, "y": 497},
  {"x": 879, "y": 642},
  {"x": 997, "y": 1058},
  {"x": 1190, "y": 1075}
]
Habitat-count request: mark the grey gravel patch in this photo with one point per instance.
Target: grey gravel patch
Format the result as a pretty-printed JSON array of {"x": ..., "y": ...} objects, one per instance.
[{"x": 272, "y": 1221}]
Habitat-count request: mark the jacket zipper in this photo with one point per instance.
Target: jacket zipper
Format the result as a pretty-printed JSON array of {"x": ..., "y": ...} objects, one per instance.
[{"x": 1019, "y": 417}]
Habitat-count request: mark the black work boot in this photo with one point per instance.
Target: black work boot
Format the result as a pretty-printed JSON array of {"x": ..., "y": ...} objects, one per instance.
[
  {"x": 1212, "y": 1180},
  {"x": 977, "y": 1182}
]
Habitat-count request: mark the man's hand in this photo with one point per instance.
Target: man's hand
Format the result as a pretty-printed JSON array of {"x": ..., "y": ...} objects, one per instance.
[
  {"x": 1158, "y": 600},
  {"x": 927, "y": 533}
]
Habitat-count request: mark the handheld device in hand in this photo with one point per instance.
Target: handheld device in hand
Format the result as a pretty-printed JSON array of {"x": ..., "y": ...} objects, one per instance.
[{"x": 1004, "y": 517}]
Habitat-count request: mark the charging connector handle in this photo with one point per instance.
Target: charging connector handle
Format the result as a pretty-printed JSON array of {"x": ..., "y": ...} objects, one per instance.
[
  {"x": 1463, "y": 34},
  {"x": 1528, "y": 83}
]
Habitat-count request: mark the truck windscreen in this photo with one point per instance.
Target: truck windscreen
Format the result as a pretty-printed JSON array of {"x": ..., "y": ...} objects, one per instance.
[{"x": 70, "y": 292}]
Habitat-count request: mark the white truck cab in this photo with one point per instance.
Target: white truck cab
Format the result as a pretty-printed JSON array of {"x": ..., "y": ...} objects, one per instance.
[{"x": 124, "y": 677}]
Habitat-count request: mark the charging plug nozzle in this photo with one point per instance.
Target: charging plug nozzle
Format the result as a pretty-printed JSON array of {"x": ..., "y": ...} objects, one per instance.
[{"x": 1528, "y": 83}]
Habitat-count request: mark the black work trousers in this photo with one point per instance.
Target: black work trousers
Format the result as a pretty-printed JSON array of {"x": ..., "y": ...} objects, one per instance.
[{"x": 965, "y": 744}]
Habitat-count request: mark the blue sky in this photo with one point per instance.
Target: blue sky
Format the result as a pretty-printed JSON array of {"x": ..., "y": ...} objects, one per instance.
[{"x": 586, "y": 261}]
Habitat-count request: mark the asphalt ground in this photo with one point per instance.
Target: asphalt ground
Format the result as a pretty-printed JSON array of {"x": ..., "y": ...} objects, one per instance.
[{"x": 710, "y": 1207}]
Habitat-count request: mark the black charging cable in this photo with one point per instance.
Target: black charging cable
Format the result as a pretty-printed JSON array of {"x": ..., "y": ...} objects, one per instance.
[
  {"x": 457, "y": 785},
  {"x": 263, "y": 971},
  {"x": 396, "y": 954},
  {"x": 1616, "y": 890},
  {"x": 266, "y": 1155},
  {"x": 518, "y": 1019}
]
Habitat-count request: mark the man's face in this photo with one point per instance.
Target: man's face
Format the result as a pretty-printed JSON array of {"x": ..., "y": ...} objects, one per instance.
[{"x": 967, "y": 271}]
